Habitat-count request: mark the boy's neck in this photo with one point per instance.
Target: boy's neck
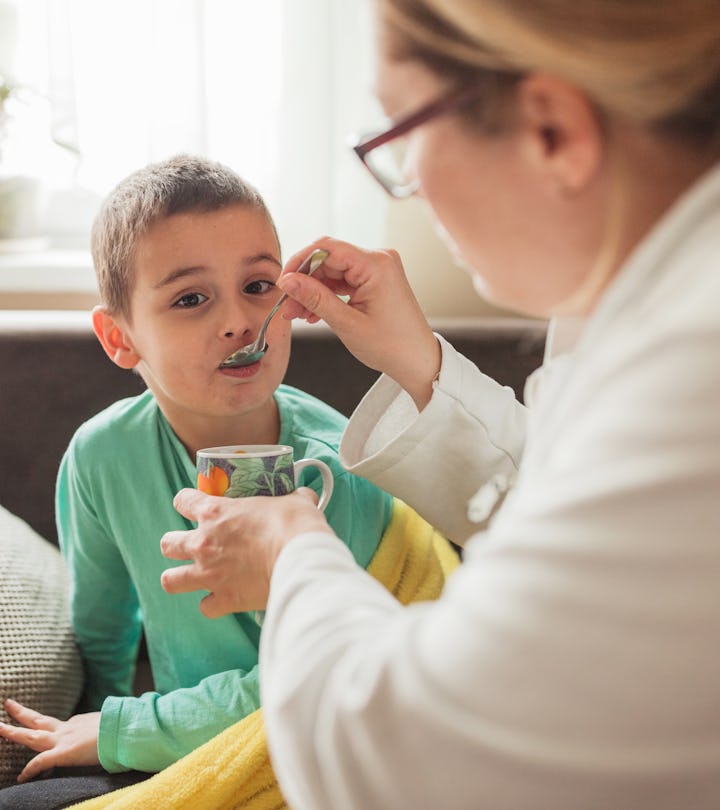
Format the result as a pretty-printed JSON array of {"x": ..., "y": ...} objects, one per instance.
[{"x": 261, "y": 426}]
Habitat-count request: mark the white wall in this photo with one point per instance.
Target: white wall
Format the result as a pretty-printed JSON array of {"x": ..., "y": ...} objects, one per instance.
[{"x": 441, "y": 286}]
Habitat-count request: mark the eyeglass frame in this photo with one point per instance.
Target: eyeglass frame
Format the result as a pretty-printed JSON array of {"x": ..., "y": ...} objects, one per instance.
[{"x": 446, "y": 103}]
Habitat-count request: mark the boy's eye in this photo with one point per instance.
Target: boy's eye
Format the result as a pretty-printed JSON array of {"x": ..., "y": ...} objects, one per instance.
[
  {"x": 259, "y": 287},
  {"x": 190, "y": 300}
]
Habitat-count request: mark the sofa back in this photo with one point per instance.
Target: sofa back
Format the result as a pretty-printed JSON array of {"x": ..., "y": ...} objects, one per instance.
[{"x": 55, "y": 376}]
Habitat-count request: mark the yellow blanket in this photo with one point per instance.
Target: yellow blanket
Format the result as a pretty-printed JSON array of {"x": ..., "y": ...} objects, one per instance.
[{"x": 233, "y": 770}]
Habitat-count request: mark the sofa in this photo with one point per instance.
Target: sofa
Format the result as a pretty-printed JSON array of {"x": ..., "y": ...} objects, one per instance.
[{"x": 55, "y": 376}]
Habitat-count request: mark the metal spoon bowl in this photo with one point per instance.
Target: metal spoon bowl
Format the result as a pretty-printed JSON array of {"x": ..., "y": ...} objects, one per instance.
[{"x": 246, "y": 355}]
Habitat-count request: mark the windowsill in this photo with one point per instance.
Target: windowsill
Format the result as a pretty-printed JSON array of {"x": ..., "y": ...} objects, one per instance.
[{"x": 47, "y": 271}]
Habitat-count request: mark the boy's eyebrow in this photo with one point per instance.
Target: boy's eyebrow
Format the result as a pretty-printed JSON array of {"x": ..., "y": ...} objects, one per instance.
[
  {"x": 181, "y": 272},
  {"x": 262, "y": 257}
]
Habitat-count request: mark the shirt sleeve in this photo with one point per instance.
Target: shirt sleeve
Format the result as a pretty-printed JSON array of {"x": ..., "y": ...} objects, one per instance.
[
  {"x": 422, "y": 457},
  {"x": 104, "y": 604},
  {"x": 152, "y": 731},
  {"x": 359, "y": 513}
]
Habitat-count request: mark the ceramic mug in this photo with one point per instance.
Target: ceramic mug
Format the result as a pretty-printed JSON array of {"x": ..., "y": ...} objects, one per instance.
[{"x": 246, "y": 470}]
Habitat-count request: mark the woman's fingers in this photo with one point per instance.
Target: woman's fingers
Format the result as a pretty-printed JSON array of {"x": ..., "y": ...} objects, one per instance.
[
  {"x": 194, "y": 504},
  {"x": 315, "y": 299},
  {"x": 234, "y": 547},
  {"x": 337, "y": 275},
  {"x": 177, "y": 545},
  {"x": 380, "y": 321},
  {"x": 198, "y": 507},
  {"x": 212, "y": 607},
  {"x": 368, "y": 281},
  {"x": 183, "y": 579}
]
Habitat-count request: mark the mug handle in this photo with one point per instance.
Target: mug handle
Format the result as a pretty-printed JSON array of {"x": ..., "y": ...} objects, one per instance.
[{"x": 325, "y": 474}]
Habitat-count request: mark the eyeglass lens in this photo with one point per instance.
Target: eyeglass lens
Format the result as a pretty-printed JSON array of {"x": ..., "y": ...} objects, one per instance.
[{"x": 391, "y": 163}]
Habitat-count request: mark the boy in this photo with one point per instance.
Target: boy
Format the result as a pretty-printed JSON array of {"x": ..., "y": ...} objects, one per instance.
[{"x": 187, "y": 257}]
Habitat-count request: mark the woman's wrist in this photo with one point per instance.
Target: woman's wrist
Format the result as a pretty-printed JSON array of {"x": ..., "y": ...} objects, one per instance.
[
  {"x": 298, "y": 522},
  {"x": 417, "y": 378}
]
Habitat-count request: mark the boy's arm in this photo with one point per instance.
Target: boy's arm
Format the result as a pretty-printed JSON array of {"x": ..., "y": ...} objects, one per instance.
[
  {"x": 105, "y": 611},
  {"x": 358, "y": 513},
  {"x": 152, "y": 731}
]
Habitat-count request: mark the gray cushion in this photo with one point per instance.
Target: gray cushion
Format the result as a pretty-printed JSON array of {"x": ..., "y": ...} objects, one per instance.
[{"x": 39, "y": 662}]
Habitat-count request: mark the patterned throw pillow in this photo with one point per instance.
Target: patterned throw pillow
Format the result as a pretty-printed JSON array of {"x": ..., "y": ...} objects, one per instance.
[{"x": 39, "y": 662}]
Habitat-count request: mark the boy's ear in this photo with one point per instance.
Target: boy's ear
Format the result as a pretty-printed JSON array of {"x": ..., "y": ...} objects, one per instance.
[{"x": 113, "y": 339}]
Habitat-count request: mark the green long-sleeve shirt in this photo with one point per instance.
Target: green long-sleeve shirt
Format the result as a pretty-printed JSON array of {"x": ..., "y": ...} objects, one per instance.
[{"x": 114, "y": 502}]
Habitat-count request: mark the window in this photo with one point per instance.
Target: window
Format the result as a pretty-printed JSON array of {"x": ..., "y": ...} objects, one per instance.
[{"x": 271, "y": 88}]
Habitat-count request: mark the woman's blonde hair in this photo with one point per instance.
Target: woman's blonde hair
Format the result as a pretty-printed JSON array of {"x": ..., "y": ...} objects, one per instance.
[{"x": 654, "y": 62}]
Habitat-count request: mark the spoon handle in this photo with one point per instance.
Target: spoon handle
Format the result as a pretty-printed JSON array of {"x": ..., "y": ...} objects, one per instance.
[
  {"x": 309, "y": 266},
  {"x": 255, "y": 350}
]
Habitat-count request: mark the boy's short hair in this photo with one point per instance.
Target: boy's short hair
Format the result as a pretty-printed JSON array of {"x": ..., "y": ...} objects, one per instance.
[{"x": 178, "y": 185}]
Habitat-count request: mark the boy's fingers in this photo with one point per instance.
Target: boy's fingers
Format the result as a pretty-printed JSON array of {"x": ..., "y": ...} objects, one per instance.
[
  {"x": 13, "y": 708},
  {"x": 9, "y": 732},
  {"x": 36, "y": 740},
  {"x": 29, "y": 717},
  {"x": 42, "y": 762}
]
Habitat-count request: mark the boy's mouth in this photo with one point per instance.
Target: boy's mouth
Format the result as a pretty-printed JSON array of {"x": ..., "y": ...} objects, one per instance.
[
  {"x": 240, "y": 372},
  {"x": 245, "y": 356}
]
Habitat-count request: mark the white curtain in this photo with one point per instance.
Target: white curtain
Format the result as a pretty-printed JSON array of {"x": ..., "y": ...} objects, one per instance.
[{"x": 272, "y": 88}]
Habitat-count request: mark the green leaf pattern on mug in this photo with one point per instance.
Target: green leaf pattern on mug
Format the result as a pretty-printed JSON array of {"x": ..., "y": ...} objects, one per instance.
[
  {"x": 283, "y": 484},
  {"x": 257, "y": 476}
]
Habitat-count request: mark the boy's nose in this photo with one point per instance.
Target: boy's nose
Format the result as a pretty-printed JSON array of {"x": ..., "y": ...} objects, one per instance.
[
  {"x": 238, "y": 321},
  {"x": 238, "y": 331},
  {"x": 236, "y": 324}
]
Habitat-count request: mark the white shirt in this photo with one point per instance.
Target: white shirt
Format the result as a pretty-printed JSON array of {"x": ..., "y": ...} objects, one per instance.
[{"x": 573, "y": 660}]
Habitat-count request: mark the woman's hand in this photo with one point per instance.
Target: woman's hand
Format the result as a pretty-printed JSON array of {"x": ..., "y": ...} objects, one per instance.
[
  {"x": 234, "y": 548},
  {"x": 381, "y": 323},
  {"x": 60, "y": 742}
]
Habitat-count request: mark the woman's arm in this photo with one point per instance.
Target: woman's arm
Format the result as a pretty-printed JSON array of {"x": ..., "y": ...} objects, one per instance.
[
  {"x": 436, "y": 460},
  {"x": 569, "y": 661},
  {"x": 432, "y": 417}
]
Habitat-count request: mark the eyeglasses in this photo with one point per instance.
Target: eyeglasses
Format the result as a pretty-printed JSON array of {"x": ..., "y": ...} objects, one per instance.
[{"x": 385, "y": 154}]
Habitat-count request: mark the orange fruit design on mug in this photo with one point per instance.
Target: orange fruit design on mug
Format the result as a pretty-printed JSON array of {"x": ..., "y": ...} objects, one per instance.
[{"x": 215, "y": 482}]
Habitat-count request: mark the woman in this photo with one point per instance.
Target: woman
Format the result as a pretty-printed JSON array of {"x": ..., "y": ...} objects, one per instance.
[{"x": 570, "y": 150}]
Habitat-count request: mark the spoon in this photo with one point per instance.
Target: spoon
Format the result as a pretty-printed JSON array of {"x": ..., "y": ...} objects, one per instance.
[{"x": 251, "y": 353}]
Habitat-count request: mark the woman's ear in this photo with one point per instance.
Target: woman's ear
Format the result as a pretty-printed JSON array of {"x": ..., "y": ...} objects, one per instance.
[
  {"x": 564, "y": 136},
  {"x": 113, "y": 339}
]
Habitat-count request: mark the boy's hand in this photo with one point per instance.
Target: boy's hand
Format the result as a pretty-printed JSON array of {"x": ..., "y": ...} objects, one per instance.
[{"x": 60, "y": 742}]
